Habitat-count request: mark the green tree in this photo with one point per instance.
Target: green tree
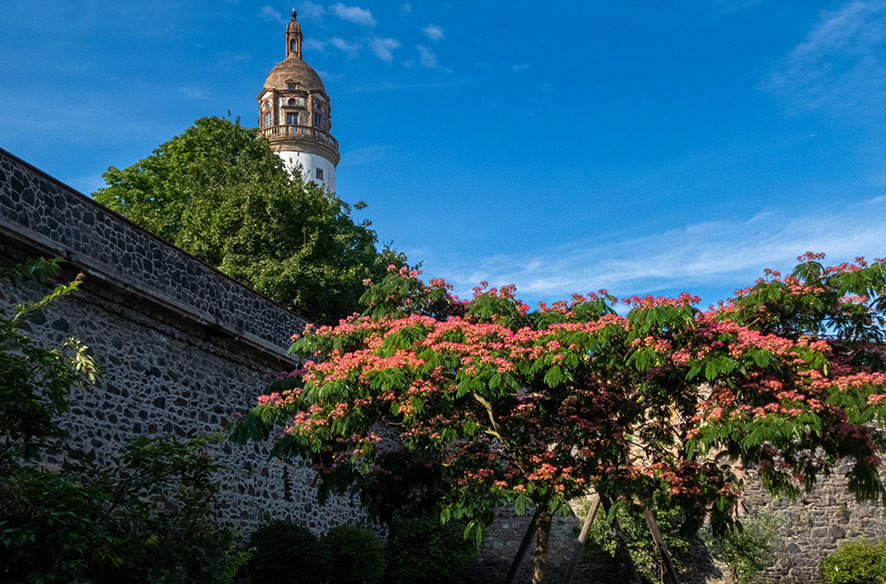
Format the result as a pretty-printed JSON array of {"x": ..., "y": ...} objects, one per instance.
[
  {"x": 535, "y": 408},
  {"x": 218, "y": 192}
]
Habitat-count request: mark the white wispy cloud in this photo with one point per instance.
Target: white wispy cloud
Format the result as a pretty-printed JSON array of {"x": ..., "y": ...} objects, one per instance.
[
  {"x": 349, "y": 49},
  {"x": 311, "y": 44},
  {"x": 226, "y": 59},
  {"x": 310, "y": 11},
  {"x": 192, "y": 92},
  {"x": 353, "y": 14},
  {"x": 405, "y": 8},
  {"x": 426, "y": 57},
  {"x": 710, "y": 254},
  {"x": 90, "y": 124},
  {"x": 330, "y": 75},
  {"x": 271, "y": 14},
  {"x": 515, "y": 67},
  {"x": 364, "y": 155},
  {"x": 385, "y": 86},
  {"x": 384, "y": 48},
  {"x": 434, "y": 32},
  {"x": 841, "y": 63}
]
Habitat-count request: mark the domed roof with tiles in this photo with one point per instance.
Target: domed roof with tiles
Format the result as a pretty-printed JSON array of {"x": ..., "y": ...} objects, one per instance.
[{"x": 294, "y": 69}]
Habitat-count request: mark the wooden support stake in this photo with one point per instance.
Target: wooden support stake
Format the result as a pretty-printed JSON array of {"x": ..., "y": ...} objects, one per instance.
[
  {"x": 621, "y": 543},
  {"x": 670, "y": 570},
  {"x": 524, "y": 547},
  {"x": 582, "y": 539}
]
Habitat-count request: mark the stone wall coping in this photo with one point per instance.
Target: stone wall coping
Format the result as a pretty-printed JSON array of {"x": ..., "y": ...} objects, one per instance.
[{"x": 202, "y": 305}]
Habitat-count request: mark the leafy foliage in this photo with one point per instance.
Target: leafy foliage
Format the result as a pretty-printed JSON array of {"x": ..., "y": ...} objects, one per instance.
[
  {"x": 355, "y": 554},
  {"x": 856, "y": 562},
  {"x": 88, "y": 524},
  {"x": 218, "y": 192},
  {"x": 276, "y": 543},
  {"x": 534, "y": 408},
  {"x": 419, "y": 549},
  {"x": 34, "y": 382},
  {"x": 642, "y": 547},
  {"x": 747, "y": 547},
  {"x": 146, "y": 518}
]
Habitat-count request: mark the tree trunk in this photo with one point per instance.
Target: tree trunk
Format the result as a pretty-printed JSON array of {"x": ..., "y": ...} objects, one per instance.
[
  {"x": 622, "y": 544},
  {"x": 542, "y": 538},
  {"x": 670, "y": 570},
  {"x": 582, "y": 539},
  {"x": 524, "y": 547}
]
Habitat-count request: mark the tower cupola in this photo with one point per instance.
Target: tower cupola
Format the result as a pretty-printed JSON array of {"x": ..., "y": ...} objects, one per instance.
[
  {"x": 293, "y": 38},
  {"x": 294, "y": 114}
]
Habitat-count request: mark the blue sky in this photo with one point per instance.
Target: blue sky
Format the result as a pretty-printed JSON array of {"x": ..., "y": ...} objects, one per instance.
[{"x": 640, "y": 146}]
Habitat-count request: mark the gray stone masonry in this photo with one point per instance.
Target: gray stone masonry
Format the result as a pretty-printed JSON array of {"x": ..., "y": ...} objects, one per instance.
[
  {"x": 814, "y": 525},
  {"x": 810, "y": 529},
  {"x": 50, "y": 217},
  {"x": 183, "y": 345}
]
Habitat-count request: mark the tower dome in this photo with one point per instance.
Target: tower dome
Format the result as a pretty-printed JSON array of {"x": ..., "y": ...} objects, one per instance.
[
  {"x": 289, "y": 70},
  {"x": 294, "y": 114}
]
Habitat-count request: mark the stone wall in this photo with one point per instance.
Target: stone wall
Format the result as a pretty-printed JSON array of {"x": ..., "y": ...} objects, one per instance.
[
  {"x": 810, "y": 529},
  {"x": 814, "y": 525},
  {"x": 182, "y": 344},
  {"x": 48, "y": 216}
]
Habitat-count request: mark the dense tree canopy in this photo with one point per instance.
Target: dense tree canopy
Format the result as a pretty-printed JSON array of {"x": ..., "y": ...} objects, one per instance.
[
  {"x": 218, "y": 192},
  {"x": 533, "y": 408}
]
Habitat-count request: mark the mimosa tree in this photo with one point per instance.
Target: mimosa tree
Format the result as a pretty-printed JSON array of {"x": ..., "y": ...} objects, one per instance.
[{"x": 534, "y": 408}]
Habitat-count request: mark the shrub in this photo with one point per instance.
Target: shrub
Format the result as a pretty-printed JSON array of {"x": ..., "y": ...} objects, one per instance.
[
  {"x": 354, "y": 555},
  {"x": 89, "y": 524},
  {"x": 423, "y": 550},
  {"x": 856, "y": 562},
  {"x": 747, "y": 547},
  {"x": 276, "y": 544}
]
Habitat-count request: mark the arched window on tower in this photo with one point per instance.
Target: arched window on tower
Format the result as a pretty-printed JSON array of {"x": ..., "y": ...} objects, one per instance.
[
  {"x": 292, "y": 119},
  {"x": 291, "y": 102},
  {"x": 291, "y": 45},
  {"x": 268, "y": 119}
]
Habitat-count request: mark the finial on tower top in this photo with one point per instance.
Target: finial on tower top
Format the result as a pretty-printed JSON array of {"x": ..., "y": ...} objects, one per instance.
[{"x": 293, "y": 38}]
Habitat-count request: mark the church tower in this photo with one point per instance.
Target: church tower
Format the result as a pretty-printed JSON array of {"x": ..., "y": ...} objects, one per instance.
[{"x": 294, "y": 114}]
